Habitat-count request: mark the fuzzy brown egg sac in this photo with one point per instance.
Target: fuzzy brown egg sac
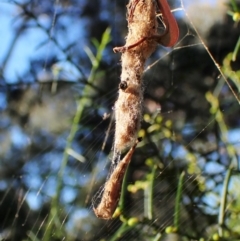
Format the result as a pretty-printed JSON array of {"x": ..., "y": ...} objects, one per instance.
[{"x": 128, "y": 107}]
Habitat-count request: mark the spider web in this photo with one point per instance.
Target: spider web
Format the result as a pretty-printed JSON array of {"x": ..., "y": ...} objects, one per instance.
[{"x": 182, "y": 183}]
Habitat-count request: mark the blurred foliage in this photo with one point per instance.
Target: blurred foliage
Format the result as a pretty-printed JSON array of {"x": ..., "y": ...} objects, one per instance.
[{"x": 182, "y": 183}]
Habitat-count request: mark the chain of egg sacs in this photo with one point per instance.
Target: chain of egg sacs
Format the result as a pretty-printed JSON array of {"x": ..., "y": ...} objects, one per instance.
[
  {"x": 128, "y": 107},
  {"x": 140, "y": 44}
]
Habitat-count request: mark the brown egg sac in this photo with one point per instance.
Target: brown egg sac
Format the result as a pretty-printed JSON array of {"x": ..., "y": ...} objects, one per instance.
[
  {"x": 112, "y": 188},
  {"x": 128, "y": 107}
]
